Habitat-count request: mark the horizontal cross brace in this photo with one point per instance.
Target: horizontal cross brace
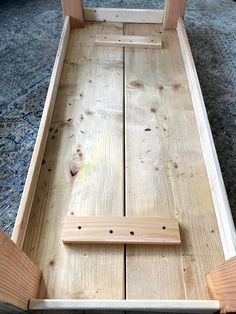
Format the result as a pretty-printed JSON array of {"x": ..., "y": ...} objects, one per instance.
[
  {"x": 129, "y": 41},
  {"x": 137, "y": 230}
]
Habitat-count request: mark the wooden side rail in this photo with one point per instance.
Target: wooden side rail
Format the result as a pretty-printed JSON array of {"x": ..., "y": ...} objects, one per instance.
[
  {"x": 221, "y": 284},
  {"x": 174, "y": 9},
  {"x": 19, "y": 277}
]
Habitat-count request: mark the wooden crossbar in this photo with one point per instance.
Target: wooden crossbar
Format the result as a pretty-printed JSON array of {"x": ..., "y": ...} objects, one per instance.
[
  {"x": 128, "y": 41},
  {"x": 139, "y": 230}
]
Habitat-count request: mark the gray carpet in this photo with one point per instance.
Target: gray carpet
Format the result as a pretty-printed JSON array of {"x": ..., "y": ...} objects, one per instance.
[{"x": 29, "y": 36}]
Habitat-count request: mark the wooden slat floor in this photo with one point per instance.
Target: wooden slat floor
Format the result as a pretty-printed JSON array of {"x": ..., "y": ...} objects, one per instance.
[{"x": 123, "y": 141}]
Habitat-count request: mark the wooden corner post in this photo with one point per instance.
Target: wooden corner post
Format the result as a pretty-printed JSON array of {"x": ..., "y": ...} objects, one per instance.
[
  {"x": 221, "y": 284},
  {"x": 174, "y": 9},
  {"x": 74, "y": 9},
  {"x": 19, "y": 277}
]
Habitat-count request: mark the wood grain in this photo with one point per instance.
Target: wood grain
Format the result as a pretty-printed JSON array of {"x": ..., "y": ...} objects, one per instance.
[
  {"x": 221, "y": 284},
  {"x": 20, "y": 278},
  {"x": 82, "y": 171},
  {"x": 136, "y": 230},
  {"x": 166, "y": 174},
  {"x": 218, "y": 191},
  {"x": 146, "y": 306},
  {"x": 74, "y": 9},
  {"x": 24, "y": 210},
  {"x": 174, "y": 9},
  {"x": 128, "y": 41},
  {"x": 123, "y": 15}
]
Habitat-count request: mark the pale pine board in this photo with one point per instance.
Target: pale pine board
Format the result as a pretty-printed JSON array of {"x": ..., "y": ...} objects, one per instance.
[
  {"x": 107, "y": 230},
  {"x": 82, "y": 172},
  {"x": 165, "y": 174}
]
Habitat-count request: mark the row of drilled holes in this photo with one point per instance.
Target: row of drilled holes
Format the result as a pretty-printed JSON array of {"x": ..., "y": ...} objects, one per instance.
[
  {"x": 131, "y": 40},
  {"x": 131, "y": 232}
]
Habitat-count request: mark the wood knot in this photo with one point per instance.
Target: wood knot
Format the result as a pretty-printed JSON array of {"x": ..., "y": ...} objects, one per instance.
[{"x": 137, "y": 84}]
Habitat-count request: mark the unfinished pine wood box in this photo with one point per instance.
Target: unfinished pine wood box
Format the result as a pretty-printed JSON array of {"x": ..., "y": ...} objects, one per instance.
[{"x": 124, "y": 133}]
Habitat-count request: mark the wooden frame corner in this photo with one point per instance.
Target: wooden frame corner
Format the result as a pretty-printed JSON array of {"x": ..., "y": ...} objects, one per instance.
[
  {"x": 174, "y": 9},
  {"x": 221, "y": 285}
]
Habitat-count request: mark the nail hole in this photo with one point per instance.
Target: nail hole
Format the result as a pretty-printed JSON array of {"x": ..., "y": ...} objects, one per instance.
[
  {"x": 111, "y": 231},
  {"x": 164, "y": 227},
  {"x": 79, "y": 227},
  {"x": 131, "y": 232}
]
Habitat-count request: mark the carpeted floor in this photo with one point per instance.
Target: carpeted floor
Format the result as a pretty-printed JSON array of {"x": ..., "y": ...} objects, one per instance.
[{"x": 29, "y": 36}]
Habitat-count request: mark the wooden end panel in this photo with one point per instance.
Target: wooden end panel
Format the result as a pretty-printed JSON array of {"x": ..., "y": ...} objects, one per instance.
[
  {"x": 20, "y": 278},
  {"x": 174, "y": 9},
  {"x": 136, "y": 230},
  {"x": 74, "y": 9},
  {"x": 221, "y": 284},
  {"x": 125, "y": 41}
]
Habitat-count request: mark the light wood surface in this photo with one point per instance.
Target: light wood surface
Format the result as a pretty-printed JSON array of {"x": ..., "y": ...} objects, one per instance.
[
  {"x": 82, "y": 172},
  {"x": 123, "y": 15},
  {"x": 23, "y": 214},
  {"x": 83, "y": 166},
  {"x": 128, "y": 41},
  {"x": 166, "y": 174},
  {"x": 74, "y": 9},
  {"x": 221, "y": 203},
  {"x": 172, "y": 306},
  {"x": 136, "y": 230},
  {"x": 174, "y": 9},
  {"x": 221, "y": 283},
  {"x": 19, "y": 277}
]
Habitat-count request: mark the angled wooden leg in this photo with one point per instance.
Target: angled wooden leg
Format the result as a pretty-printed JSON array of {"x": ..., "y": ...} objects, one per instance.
[
  {"x": 221, "y": 284},
  {"x": 174, "y": 9},
  {"x": 74, "y": 9},
  {"x": 19, "y": 277}
]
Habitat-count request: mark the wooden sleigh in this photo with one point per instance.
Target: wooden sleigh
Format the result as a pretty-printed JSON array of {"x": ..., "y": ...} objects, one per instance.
[{"x": 124, "y": 206}]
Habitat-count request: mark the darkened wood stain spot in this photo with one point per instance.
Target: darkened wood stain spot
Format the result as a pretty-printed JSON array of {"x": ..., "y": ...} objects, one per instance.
[
  {"x": 153, "y": 110},
  {"x": 43, "y": 161},
  {"x": 137, "y": 84},
  {"x": 147, "y": 130}
]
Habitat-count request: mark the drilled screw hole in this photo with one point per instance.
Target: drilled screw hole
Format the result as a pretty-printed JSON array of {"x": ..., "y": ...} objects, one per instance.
[
  {"x": 79, "y": 227},
  {"x": 111, "y": 231},
  {"x": 164, "y": 227},
  {"x": 131, "y": 232}
]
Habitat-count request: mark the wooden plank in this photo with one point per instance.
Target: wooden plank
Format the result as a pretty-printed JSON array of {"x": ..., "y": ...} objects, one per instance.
[
  {"x": 128, "y": 41},
  {"x": 218, "y": 192},
  {"x": 74, "y": 9},
  {"x": 139, "y": 230},
  {"x": 174, "y": 9},
  {"x": 166, "y": 306},
  {"x": 20, "y": 278},
  {"x": 166, "y": 174},
  {"x": 35, "y": 165},
  {"x": 82, "y": 171},
  {"x": 123, "y": 15},
  {"x": 221, "y": 284}
]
